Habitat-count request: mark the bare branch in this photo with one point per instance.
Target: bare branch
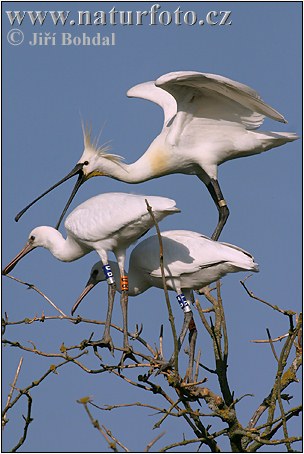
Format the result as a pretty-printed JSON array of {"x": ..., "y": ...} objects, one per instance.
[
  {"x": 33, "y": 287},
  {"x": 134, "y": 404},
  {"x": 104, "y": 432},
  {"x": 28, "y": 419},
  {"x": 271, "y": 345},
  {"x": 184, "y": 443},
  {"x": 274, "y": 307},
  {"x": 282, "y": 380},
  {"x": 157, "y": 424},
  {"x": 109, "y": 433},
  {"x": 149, "y": 446},
  {"x": 52, "y": 369},
  {"x": 171, "y": 317},
  {"x": 266, "y": 341},
  {"x": 9, "y": 397}
]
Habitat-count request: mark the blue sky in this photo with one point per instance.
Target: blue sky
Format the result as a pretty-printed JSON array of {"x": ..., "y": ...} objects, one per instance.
[{"x": 47, "y": 91}]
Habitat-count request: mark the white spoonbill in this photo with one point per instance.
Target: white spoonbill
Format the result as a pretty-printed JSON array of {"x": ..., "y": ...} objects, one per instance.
[
  {"x": 106, "y": 222},
  {"x": 208, "y": 119},
  {"x": 191, "y": 261}
]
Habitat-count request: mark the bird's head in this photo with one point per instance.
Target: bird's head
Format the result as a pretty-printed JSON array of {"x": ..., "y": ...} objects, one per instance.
[
  {"x": 40, "y": 236},
  {"x": 95, "y": 157},
  {"x": 96, "y": 275},
  {"x": 92, "y": 163}
]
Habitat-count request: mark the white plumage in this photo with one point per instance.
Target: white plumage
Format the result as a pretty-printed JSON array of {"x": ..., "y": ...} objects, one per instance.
[
  {"x": 191, "y": 261},
  {"x": 208, "y": 119},
  {"x": 107, "y": 222}
]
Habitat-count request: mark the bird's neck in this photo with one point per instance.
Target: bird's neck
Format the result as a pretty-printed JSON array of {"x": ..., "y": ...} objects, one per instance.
[
  {"x": 137, "y": 284},
  {"x": 136, "y": 172},
  {"x": 65, "y": 250}
]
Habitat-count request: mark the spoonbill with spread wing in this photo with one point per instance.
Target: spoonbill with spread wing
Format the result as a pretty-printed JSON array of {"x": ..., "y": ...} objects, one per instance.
[
  {"x": 191, "y": 261},
  {"x": 106, "y": 222},
  {"x": 208, "y": 119}
]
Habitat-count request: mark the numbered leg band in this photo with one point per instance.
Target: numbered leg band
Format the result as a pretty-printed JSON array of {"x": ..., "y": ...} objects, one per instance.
[
  {"x": 222, "y": 203},
  {"x": 183, "y": 302},
  {"x": 124, "y": 283},
  {"x": 108, "y": 274}
]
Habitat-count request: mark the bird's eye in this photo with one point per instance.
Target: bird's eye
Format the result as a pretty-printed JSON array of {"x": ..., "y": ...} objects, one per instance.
[
  {"x": 86, "y": 163},
  {"x": 32, "y": 238},
  {"x": 94, "y": 273}
]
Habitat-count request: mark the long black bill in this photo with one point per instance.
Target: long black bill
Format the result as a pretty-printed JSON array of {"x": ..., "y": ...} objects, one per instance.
[
  {"x": 90, "y": 284},
  {"x": 80, "y": 180},
  {"x": 76, "y": 171}
]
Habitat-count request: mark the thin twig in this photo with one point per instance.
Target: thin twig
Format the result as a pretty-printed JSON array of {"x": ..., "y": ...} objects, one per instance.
[
  {"x": 281, "y": 382},
  {"x": 271, "y": 345},
  {"x": 197, "y": 366},
  {"x": 171, "y": 318},
  {"x": 223, "y": 320},
  {"x": 157, "y": 424},
  {"x": 203, "y": 318},
  {"x": 109, "y": 433},
  {"x": 9, "y": 397},
  {"x": 149, "y": 446},
  {"x": 135, "y": 404},
  {"x": 284, "y": 422},
  {"x": 52, "y": 369},
  {"x": 184, "y": 443},
  {"x": 274, "y": 307},
  {"x": 289, "y": 414},
  {"x": 96, "y": 425},
  {"x": 28, "y": 419},
  {"x": 161, "y": 351},
  {"x": 266, "y": 341},
  {"x": 33, "y": 287}
]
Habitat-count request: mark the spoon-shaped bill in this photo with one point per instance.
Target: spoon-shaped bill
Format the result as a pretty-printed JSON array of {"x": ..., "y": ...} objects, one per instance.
[
  {"x": 90, "y": 284},
  {"x": 80, "y": 180},
  {"x": 75, "y": 171},
  {"x": 27, "y": 248}
]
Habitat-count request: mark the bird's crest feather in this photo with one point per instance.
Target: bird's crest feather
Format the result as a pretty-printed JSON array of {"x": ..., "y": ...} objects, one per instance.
[{"x": 101, "y": 150}]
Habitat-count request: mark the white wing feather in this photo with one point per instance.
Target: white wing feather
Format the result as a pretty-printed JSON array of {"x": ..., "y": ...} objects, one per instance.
[
  {"x": 149, "y": 91},
  {"x": 217, "y": 97},
  {"x": 105, "y": 215},
  {"x": 184, "y": 252}
]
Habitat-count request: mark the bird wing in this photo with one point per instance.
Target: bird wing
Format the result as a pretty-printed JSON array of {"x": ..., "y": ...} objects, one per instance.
[
  {"x": 184, "y": 252},
  {"x": 237, "y": 248},
  {"x": 115, "y": 213},
  {"x": 149, "y": 91},
  {"x": 210, "y": 96}
]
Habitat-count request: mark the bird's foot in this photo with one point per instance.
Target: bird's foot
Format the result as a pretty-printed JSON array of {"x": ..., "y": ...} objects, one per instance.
[
  {"x": 105, "y": 342},
  {"x": 127, "y": 354},
  {"x": 165, "y": 365}
]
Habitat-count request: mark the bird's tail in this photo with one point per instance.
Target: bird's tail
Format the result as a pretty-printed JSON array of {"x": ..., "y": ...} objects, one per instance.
[
  {"x": 286, "y": 136},
  {"x": 246, "y": 263},
  {"x": 275, "y": 139},
  {"x": 241, "y": 259}
]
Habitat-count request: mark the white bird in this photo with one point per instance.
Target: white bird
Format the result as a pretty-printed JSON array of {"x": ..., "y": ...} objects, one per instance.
[
  {"x": 106, "y": 222},
  {"x": 191, "y": 261},
  {"x": 208, "y": 119}
]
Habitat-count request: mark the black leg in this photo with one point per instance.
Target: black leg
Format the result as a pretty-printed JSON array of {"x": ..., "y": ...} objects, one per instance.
[
  {"x": 128, "y": 353},
  {"x": 192, "y": 343},
  {"x": 124, "y": 308},
  {"x": 106, "y": 340},
  {"x": 188, "y": 322},
  {"x": 221, "y": 204},
  {"x": 188, "y": 316}
]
